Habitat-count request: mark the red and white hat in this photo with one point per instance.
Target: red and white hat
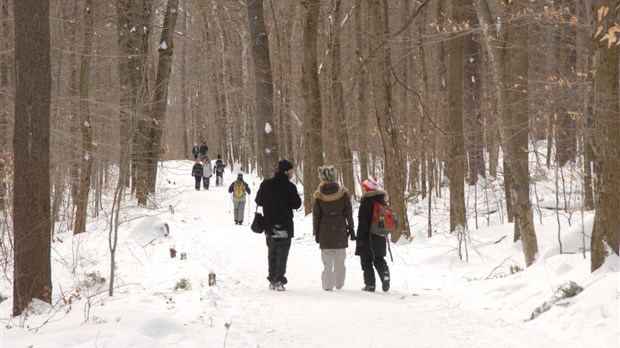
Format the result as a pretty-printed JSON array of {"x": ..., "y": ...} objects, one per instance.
[{"x": 371, "y": 184}]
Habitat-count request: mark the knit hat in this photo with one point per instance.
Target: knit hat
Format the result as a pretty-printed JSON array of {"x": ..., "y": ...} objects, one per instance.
[
  {"x": 327, "y": 173},
  {"x": 284, "y": 165},
  {"x": 240, "y": 176},
  {"x": 371, "y": 184}
]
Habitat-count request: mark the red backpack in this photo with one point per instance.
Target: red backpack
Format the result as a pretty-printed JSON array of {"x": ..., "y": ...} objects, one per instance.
[{"x": 384, "y": 220}]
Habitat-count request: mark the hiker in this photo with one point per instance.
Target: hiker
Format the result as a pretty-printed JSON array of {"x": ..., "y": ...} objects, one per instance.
[
  {"x": 197, "y": 173},
  {"x": 195, "y": 151},
  {"x": 207, "y": 172},
  {"x": 371, "y": 248},
  {"x": 203, "y": 150},
  {"x": 332, "y": 223},
  {"x": 278, "y": 197},
  {"x": 239, "y": 188},
  {"x": 219, "y": 171}
]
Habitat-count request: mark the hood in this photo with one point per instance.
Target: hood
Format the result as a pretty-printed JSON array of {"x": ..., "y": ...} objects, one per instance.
[{"x": 330, "y": 191}]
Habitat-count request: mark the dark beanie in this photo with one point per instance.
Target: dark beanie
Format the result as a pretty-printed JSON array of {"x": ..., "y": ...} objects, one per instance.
[{"x": 284, "y": 165}]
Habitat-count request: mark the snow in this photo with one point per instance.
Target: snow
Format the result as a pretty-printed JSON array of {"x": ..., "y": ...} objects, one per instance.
[
  {"x": 435, "y": 299},
  {"x": 163, "y": 46},
  {"x": 268, "y": 128}
]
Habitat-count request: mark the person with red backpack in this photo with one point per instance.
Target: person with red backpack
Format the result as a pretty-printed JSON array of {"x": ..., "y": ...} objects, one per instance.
[{"x": 372, "y": 247}]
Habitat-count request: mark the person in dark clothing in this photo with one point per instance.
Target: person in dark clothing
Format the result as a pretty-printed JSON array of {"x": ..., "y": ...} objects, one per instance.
[
  {"x": 332, "y": 223},
  {"x": 219, "y": 171},
  {"x": 197, "y": 173},
  {"x": 195, "y": 151},
  {"x": 371, "y": 248},
  {"x": 278, "y": 197},
  {"x": 239, "y": 189},
  {"x": 203, "y": 150}
]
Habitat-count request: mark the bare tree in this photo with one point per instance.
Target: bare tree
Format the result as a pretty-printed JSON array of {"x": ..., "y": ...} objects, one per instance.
[
  {"x": 606, "y": 234},
  {"x": 313, "y": 125},
  {"x": 87, "y": 133},
  {"x": 455, "y": 163},
  {"x": 508, "y": 127},
  {"x": 382, "y": 90},
  {"x": 32, "y": 221},
  {"x": 4, "y": 104},
  {"x": 160, "y": 99},
  {"x": 267, "y": 139}
]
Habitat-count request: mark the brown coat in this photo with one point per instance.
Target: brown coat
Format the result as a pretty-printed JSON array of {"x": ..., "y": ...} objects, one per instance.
[{"x": 332, "y": 215}]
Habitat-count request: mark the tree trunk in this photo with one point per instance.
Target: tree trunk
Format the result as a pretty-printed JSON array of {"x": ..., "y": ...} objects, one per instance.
[
  {"x": 382, "y": 89},
  {"x": 267, "y": 139},
  {"x": 87, "y": 132},
  {"x": 362, "y": 103},
  {"x": 160, "y": 100},
  {"x": 605, "y": 233},
  {"x": 312, "y": 116},
  {"x": 474, "y": 127},
  {"x": 508, "y": 127},
  {"x": 337, "y": 96},
  {"x": 455, "y": 163},
  {"x": 31, "y": 143},
  {"x": 4, "y": 105}
]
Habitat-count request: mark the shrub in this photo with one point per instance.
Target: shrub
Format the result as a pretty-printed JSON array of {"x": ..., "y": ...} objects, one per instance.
[
  {"x": 182, "y": 284},
  {"x": 93, "y": 279},
  {"x": 566, "y": 290}
]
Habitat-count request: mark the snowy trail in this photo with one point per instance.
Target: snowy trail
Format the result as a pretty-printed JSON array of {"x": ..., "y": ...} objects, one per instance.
[
  {"x": 305, "y": 315},
  {"x": 435, "y": 299}
]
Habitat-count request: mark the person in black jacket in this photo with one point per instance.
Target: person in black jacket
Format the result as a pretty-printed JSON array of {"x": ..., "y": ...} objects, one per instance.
[
  {"x": 219, "y": 171},
  {"x": 203, "y": 150},
  {"x": 197, "y": 173},
  {"x": 278, "y": 197},
  {"x": 371, "y": 248}
]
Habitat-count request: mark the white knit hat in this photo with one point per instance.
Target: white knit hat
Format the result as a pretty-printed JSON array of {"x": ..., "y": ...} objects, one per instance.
[{"x": 371, "y": 184}]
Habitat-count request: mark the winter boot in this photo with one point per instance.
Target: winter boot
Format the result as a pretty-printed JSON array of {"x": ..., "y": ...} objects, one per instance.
[
  {"x": 280, "y": 286},
  {"x": 385, "y": 283},
  {"x": 369, "y": 288}
]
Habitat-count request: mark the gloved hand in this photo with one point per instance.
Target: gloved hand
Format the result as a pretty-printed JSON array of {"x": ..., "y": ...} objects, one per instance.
[
  {"x": 316, "y": 238},
  {"x": 351, "y": 232}
]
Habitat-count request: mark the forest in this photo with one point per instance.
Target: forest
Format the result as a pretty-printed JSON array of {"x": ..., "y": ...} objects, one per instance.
[{"x": 425, "y": 94}]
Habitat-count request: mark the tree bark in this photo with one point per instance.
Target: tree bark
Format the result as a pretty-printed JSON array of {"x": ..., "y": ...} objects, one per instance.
[
  {"x": 160, "y": 99},
  {"x": 267, "y": 140},
  {"x": 605, "y": 233},
  {"x": 87, "y": 132},
  {"x": 508, "y": 127},
  {"x": 382, "y": 90},
  {"x": 32, "y": 220},
  {"x": 312, "y": 115},
  {"x": 455, "y": 163},
  {"x": 4, "y": 105}
]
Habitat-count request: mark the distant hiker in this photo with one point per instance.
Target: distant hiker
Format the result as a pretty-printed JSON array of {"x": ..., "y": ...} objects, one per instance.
[
  {"x": 203, "y": 149},
  {"x": 332, "y": 223},
  {"x": 197, "y": 173},
  {"x": 239, "y": 189},
  {"x": 195, "y": 151},
  {"x": 371, "y": 248},
  {"x": 219, "y": 171},
  {"x": 207, "y": 172},
  {"x": 278, "y": 197}
]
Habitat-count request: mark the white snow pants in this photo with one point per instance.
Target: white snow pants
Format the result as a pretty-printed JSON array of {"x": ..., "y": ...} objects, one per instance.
[{"x": 334, "y": 271}]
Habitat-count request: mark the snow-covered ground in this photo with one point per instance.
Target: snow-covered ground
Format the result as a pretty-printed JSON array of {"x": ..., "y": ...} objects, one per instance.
[{"x": 436, "y": 299}]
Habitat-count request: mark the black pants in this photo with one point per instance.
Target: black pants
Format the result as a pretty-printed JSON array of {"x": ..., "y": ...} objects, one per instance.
[
  {"x": 369, "y": 273},
  {"x": 278, "y": 256},
  {"x": 198, "y": 181}
]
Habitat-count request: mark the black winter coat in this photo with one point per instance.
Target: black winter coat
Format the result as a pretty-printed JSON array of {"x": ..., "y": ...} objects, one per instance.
[
  {"x": 197, "y": 169},
  {"x": 332, "y": 216},
  {"x": 370, "y": 242},
  {"x": 278, "y": 197}
]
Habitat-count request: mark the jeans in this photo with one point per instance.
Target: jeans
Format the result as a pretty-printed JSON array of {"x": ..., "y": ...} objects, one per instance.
[{"x": 205, "y": 182}]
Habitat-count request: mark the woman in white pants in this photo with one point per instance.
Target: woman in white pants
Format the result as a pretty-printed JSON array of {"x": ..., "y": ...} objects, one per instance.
[{"x": 332, "y": 223}]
